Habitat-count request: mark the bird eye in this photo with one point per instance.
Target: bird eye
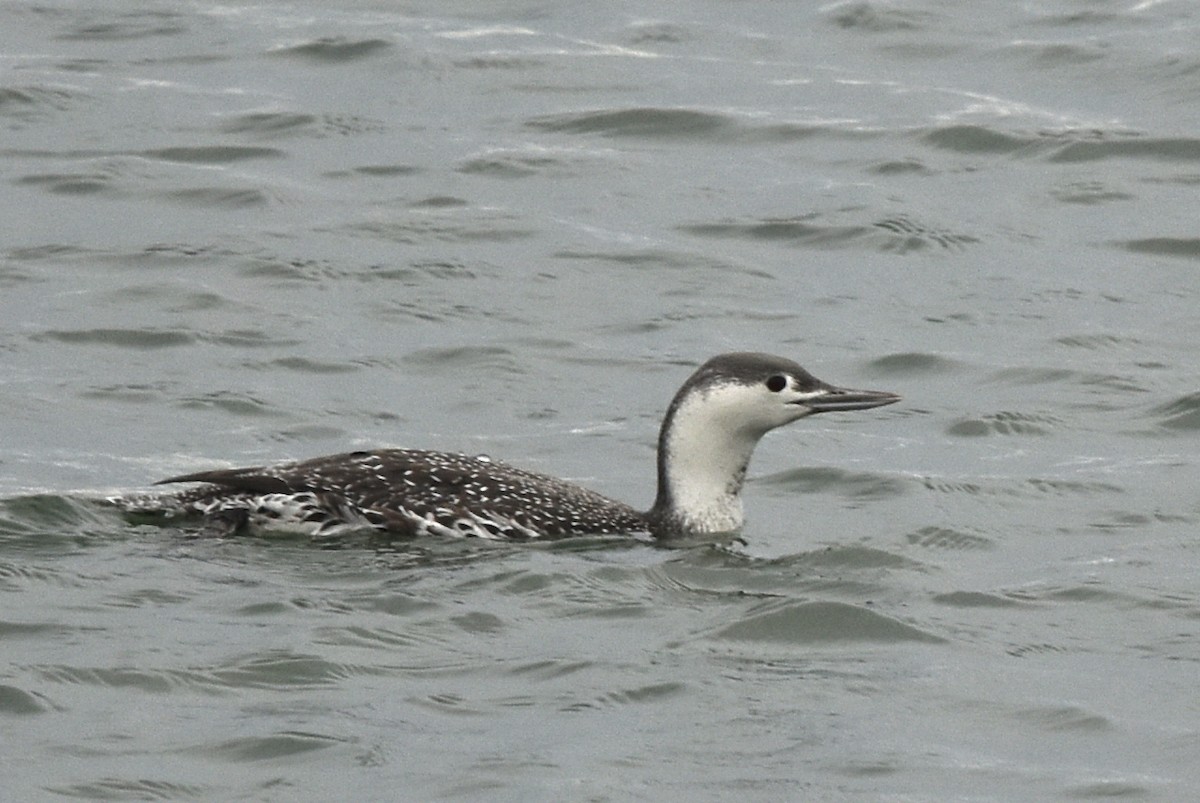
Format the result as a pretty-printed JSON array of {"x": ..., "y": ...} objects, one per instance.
[{"x": 777, "y": 383}]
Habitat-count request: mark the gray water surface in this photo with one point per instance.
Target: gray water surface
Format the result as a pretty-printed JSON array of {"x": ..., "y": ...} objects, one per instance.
[{"x": 241, "y": 233}]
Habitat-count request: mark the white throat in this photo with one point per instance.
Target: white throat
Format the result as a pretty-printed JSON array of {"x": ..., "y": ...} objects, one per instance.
[{"x": 706, "y": 454}]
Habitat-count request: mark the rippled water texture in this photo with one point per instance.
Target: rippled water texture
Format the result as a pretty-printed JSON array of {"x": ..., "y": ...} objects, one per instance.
[{"x": 239, "y": 233}]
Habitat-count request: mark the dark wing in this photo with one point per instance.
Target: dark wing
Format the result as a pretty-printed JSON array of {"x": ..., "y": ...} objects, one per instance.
[{"x": 411, "y": 489}]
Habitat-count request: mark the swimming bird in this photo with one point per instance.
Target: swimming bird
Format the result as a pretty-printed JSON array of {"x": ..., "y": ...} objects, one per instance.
[{"x": 705, "y": 443}]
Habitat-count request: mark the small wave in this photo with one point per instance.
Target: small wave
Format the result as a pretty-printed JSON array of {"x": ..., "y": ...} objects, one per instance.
[
  {"x": 168, "y": 253},
  {"x": 440, "y": 202},
  {"x": 212, "y": 154},
  {"x": 1110, "y": 790},
  {"x": 656, "y": 32},
  {"x": 33, "y": 102},
  {"x": 638, "y": 122},
  {"x": 853, "y": 572},
  {"x": 913, "y": 363},
  {"x": 131, "y": 789},
  {"x": 377, "y": 171},
  {"x": 975, "y": 599},
  {"x": 683, "y": 123},
  {"x": 1086, "y": 592},
  {"x": 220, "y": 197},
  {"x": 304, "y": 365},
  {"x": 809, "y": 623},
  {"x": 652, "y": 693},
  {"x": 127, "y": 26},
  {"x": 1057, "y": 487},
  {"x": 1090, "y": 193},
  {"x": 81, "y": 183},
  {"x": 516, "y": 164},
  {"x": 453, "y": 225},
  {"x": 499, "y": 62},
  {"x": 334, "y": 50},
  {"x": 916, "y": 235},
  {"x": 1186, "y": 247},
  {"x": 549, "y": 669},
  {"x": 1064, "y": 718},
  {"x": 1116, "y": 520},
  {"x": 269, "y": 124},
  {"x": 877, "y": 17},
  {"x": 847, "y": 557},
  {"x": 1064, "y": 146},
  {"x": 898, "y": 234},
  {"x": 156, "y": 681},
  {"x": 799, "y": 230},
  {"x": 1177, "y": 149},
  {"x": 856, "y": 485},
  {"x": 270, "y": 748},
  {"x": 1097, "y": 342},
  {"x": 1049, "y": 376},
  {"x": 491, "y": 357},
  {"x": 982, "y": 139},
  {"x": 117, "y": 183},
  {"x": 947, "y": 538},
  {"x": 1024, "y": 650},
  {"x": 247, "y": 338},
  {"x": 17, "y": 701},
  {"x": 1012, "y": 488},
  {"x": 387, "y": 640},
  {"x": 665, "y": 259},
  {"x": 1005, "y": 423},
  {"x": 1048, "y": 55},
  {"x": 239, "y": 404},
  {"x": 282, "y": 669},
  {"x": 897, "y": 167},
  {"x": 137, "y": 339},
  {"x": 1182, "y": 413}
]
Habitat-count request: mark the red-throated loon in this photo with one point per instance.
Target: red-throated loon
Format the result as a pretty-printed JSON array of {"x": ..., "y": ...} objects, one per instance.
[{"x": 704, "y": 446}]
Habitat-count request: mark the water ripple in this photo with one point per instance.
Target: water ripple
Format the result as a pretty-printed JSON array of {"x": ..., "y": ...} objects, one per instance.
[
  {"x": 877, "y": 17},
  {"x": 856, "y": 485},
  {"x": 638, "y": 122},
  {"x": 137, "y": 339},
  {"x": 334, "y": 50},
  {"x": 1186, "y": 247},
  {"x": 128, "y": 26},
  {"x": 468, "y": 227},
  {"x": 815, "y": 623},
  {"x": 1006, "y": 423},
  {"x": 212, "y": 154},
  {"x": 948, "y": 538},
  {"x": 911, "y": 363},
  {"x": 226, "y": 197},
  {"x": 269, "y": 124},
  {"x": 980, "y": 139},
  {"x": 1181, "y": 414},
  {"x": 15, "y": 701},
  {"x": 34, "y": 101},
  {"x": 650, "y": 694},
  {"x": 682, "y": 123},
  {"x": 270, "y": 748},
  {"x": 229, "y": 402},
  {"x": 1063, "y": 718},
  {"x": 896, "y": 234},
  {"x": 1179, "y": 149},
  {"x": 131, "y": 789},
  {"x": 976, "y": 599}
]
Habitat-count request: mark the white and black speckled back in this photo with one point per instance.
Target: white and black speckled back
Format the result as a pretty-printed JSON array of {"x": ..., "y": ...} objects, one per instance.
[{"x": 406, "y": 491}]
